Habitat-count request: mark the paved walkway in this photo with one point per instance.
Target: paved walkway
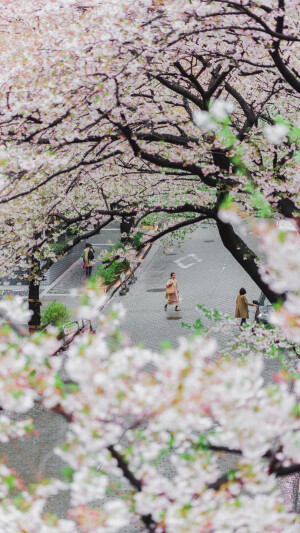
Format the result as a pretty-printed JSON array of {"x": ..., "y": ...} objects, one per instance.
[{"x": 75, "y": 277}]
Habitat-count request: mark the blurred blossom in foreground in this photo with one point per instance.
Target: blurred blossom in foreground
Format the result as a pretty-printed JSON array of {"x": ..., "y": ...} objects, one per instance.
[
  {"x": 220, "y": 109},
  {"x": 276, "y": 134},
  {"x": 14, "y": 310},
  {"x": 203, "y": 120}
]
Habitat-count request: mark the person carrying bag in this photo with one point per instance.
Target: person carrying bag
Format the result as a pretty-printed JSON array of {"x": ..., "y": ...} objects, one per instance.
[
  {"x": 88, "y": 256},
  {"x": 172, "y": 293},
  {"x": 241, "y": 308}
]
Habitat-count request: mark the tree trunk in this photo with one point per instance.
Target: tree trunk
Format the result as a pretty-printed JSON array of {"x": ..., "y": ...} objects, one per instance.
[
  {"x": 246, "y": 258},
  {"x": 34, "y": 305},
  {"x": 125, "y": 228}
]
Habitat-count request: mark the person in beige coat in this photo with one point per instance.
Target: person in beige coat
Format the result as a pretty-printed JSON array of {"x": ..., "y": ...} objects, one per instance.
[
  {"x": 172, "y": 292},
  {"x": 241, "y": 309},
  {"x": 88, "y": 256}
]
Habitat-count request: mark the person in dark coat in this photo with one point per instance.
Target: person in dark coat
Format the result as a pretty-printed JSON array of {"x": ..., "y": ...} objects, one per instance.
[{"x": 241, "y": 309}]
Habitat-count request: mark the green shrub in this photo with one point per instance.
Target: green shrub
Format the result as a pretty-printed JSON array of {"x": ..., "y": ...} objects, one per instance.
[
  {"x": 108, "y": 274},
  {"x": 117, "y": 245},
  {"x": 57, "y": 247},
  {"x": 136, "y": 241},
  {"x": 71, "y": 231},
  {"x": 55, "y": 313},
  {"x": 153, "y": 219}
]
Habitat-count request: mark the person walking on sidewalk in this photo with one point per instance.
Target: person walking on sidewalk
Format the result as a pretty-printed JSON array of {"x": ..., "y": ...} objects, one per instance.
[
  {"x": 241, "y": 309},
  {"x": 88, "y": 256},
  {"x": 172, "y": 292}
]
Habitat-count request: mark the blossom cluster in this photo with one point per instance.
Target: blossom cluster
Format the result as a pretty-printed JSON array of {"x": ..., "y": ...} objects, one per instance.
[{"x": 133, "y": 412}]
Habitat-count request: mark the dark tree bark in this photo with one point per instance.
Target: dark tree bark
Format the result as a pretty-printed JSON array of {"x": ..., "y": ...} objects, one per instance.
[
  {"x": 292, "y": 80},
  {"x": 136, "y": 483},
  {"x": 125, "y": 227},
  {"x": 245, "y": 257},
  {"x": 34, "y": 304}
]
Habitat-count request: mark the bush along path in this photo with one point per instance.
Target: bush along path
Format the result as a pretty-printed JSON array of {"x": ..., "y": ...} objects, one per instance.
[
  {"x": 111, "y": 273},
  {"x": 129, "y": 270},
  {"x": 108, "y": 273},
  {"x": 56, "y": 313}
]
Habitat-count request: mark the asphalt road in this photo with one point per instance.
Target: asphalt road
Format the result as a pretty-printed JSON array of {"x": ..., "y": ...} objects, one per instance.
[{"x": 206, "y": 273}]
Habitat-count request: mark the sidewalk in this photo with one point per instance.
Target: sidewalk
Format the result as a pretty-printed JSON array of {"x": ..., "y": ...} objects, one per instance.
[
  {"x": 74, "y": 277},
  {"x": 72, "y": 274}
]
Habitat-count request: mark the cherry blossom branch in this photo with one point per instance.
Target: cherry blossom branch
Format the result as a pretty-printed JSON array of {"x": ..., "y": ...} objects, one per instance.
[
  {"x": 245, "y": 257},
  {"x": 281, "y": 37},
  {"x": 88, "y": 139},
  {"x": 280, "y": 19},
  {"x": 59, "y": 173},
  {"x": 175, "y": 227},
  {"x": 51, "y": 125},
  {"x": 191, "y": 78},
  {"x": 180, "y": 90},
  {"x": 282, "y": 471},
  {"x": 109, "y": 212},
  {"x": 217, "y": 82},
  {"x": 242, "y": 8},
  {"x": 286, "y": 73},
  {"x": 168, "y": 138},
  {"x": 216, "y": 485},
  {"x": 250, "y": 115},
  {"x": 136, "y": 483},
  {"x": 275, "y": 466},
  {"x": 278, "y": 470},
  {"x": 166, "y": 163}
]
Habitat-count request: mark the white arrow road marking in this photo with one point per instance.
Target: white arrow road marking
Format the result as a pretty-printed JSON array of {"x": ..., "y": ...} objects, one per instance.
[{"x": 180, "y": 263}]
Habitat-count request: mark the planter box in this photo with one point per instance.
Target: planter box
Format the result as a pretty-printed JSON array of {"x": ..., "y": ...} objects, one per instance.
[
  {"x": 147, "y": 226},
  {"x": 114, "y": 281},
  {"x": 111, "y": 284}
]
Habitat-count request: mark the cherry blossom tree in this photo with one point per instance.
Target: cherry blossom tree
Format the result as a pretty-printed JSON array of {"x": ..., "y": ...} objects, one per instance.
[
  {"x": 113, "y": 110},
  {"x": 122, "y": 121}
]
